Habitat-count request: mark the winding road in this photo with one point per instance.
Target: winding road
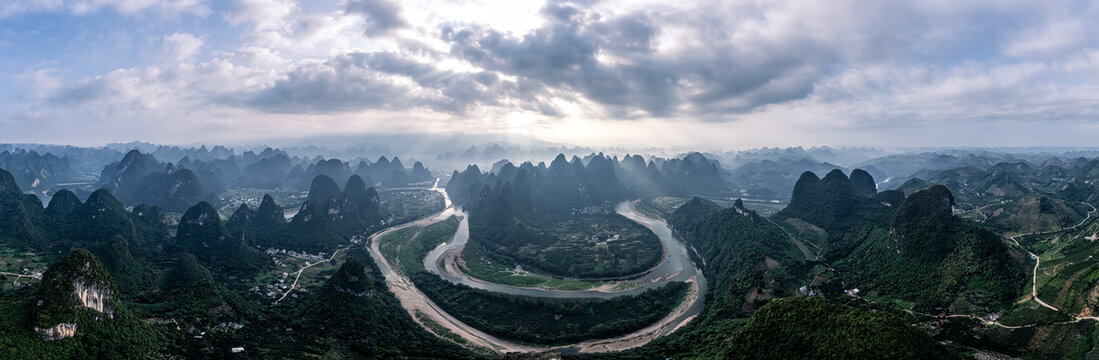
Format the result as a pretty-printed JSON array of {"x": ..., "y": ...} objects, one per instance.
[
  {"x": 676, "y": 266},
  {"x": 1038, "y": 259},
  {"x": 307, "y": 265}
]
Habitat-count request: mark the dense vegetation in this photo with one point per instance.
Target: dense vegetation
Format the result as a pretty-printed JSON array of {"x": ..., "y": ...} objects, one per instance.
[
  {"x": 934, "y": 259},
  {"x": 912, "y": 249},
  {"x": 550, "y": 321},
  {"x": 816, "y": 328},
  {"x": 477, "y": 263},
  {"x": 34, "y": 170},
  {"x": 837, "y": 233},
  {"x": 328, "y": 219},
  {"x": 752, "y": 258},
  {"x": 356, "y": 310},
  {"x": 401, "y": 206},
  {"x": 908, "y": 252},
  {"x": 557, "y": 219},
  {"x": 111, "y": 331},
  {"x": 186, "y": 295},
  {"x": 596, "y": 246},
  {"x": 406, "y": 248},
  {"x": 141, "y": 179}
]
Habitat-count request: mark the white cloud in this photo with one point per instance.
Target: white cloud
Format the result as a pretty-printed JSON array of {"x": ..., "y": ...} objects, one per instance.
[
  {"x": 39, "y": 84},
  {"x": 1052, "y": 39},
  {"x": 10, "y": 8},
  {"x": 709, "y": 67},
  {"x": 180, "y": 47}
]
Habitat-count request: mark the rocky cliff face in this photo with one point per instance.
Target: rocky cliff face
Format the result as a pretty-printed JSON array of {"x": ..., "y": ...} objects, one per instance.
[
  {"x": 93, "y": 296},
  {"x": 76, "y": 292},
  {"x": 61, "y": 331},
  {"x": 90, "y": 296}
]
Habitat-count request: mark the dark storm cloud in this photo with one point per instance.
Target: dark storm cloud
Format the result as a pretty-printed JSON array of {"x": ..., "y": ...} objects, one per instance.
[
  {"x": 566, "y": 52},
  {"x": 380, "y": 15}
]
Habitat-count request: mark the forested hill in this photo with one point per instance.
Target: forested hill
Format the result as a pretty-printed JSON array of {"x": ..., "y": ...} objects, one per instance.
[
  {"x": 140, "y": 292},
  {"x": 752, "y": 257},
  {"x": 771, "y": 299},
  {"x": 557, "y": 219},
  {"x": 142, "y": 179},
  {"x": 912, "y": 249},
  {"x": 325, "y": 221},
  {"x": 940, "y": 262},
  {"x": 816, "y": 328},
  {"x": 576, "y": 182}
]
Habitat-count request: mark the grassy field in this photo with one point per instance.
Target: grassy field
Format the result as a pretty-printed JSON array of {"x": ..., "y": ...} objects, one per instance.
[
  {"x": 478, "y": 265},
  {"x": 1031, "y": 312},
  {"x": 12, "y": 261},
  {"x": 395, "y": 248},
  {"x": 311, "y": 277},
  {"x": 406, "y": 248},
  {"x": 402, "y": 206}
]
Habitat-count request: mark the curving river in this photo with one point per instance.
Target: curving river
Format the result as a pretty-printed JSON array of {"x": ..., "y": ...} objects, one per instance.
[{"x": 676, "y": 266}]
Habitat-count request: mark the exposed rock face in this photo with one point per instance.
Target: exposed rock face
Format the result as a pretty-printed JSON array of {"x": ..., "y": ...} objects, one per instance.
[
  {"x": 306, "y": 213},
  {"x": 75, "y": 290},
  {"x": 341, "y": 206},
  {"x": 93, "y": 297},
  {"x": 61, "y": 331},
  {"x": 33, "y": 170},
  {"x": 739, "y": 207}
]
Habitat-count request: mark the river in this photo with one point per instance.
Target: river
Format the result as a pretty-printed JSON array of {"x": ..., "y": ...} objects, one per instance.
[{"x": 676, "y": 266}]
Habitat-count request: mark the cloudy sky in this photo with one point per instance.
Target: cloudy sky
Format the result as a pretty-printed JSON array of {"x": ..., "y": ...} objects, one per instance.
[{"x": 716, "y": 74}]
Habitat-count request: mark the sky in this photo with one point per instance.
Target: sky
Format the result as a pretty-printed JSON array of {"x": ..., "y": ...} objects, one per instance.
[{"x": 713, "y": 74}]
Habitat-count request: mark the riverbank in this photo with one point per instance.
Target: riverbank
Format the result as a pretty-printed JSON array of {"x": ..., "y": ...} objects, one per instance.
[{"x": 421, "y": 307}]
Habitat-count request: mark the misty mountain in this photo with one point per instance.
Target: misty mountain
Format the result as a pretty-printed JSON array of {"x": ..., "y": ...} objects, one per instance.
[
  {"x": 33, "y": 170},
  {"x": 141, "y": 179}
]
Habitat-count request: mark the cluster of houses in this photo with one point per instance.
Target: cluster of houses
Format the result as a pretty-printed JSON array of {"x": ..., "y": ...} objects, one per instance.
[
  {"x": 318, "y": 257},
  {"x": 273, "y": 290},
  {"x": 26, "y": 273}
]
